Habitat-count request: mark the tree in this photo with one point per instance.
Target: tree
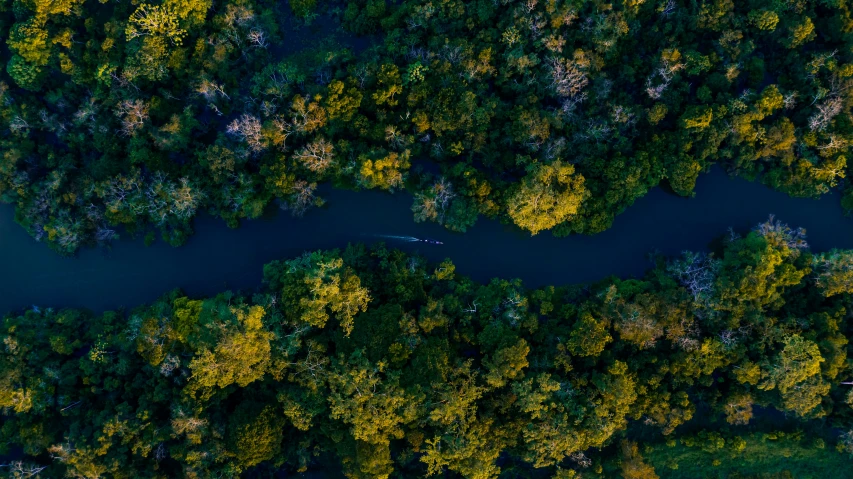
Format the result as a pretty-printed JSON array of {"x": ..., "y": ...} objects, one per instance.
[
  {"x": 436, "y": 374},
  {"x": 371, "y": 403},
  {"x": 506, "y": 364},
  {"x": 318, "y": 284},
  {"x": 756, "y": 270},
  {"x": 30, "y": 41},
  {"x": 133, "y": 115},
  {"x": 470, "y": 449},
  {"x": 589, "y": 336},
  {"x": 389, "y": 85},
  {"x": 738, "y": 409},
  {"x": 546, "y": 197},
  {"x": 568, "y": 77},
  {"x": 255, "y": 433},
  {"x": 248, "y": 128},
  {"x": 155, "y": 20},
  {"x": 317, "y": 156},
  {"x": 697, "y": 117},
  {"x": 434, "y": 203},
  {"x": 25, "y": 74},
  {"x": 233, "y": 348},
  {"x": 382, "y": 169},
  {"x": 834, "y": 272},
  {"x": 796, "y": 374},
  {"x": 799, "y": 33},
  {"x": 633, "y": 465},
  {"x": 342, "y": 100},
  {"x": 458, "y": 393}
]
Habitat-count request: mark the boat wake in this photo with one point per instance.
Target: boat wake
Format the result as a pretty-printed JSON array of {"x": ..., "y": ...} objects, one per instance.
[{"x": 408, "y": 239}]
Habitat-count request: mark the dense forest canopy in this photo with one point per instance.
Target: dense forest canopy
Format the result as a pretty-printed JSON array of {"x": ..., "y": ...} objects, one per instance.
[
  {"x": 550, "y": 114},
  {"x": 392, "y": 366}
]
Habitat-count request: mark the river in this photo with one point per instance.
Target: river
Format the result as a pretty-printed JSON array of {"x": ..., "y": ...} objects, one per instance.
[{"x": 217, "y": 258}]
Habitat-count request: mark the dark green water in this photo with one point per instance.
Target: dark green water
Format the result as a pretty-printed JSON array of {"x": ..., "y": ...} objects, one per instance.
[{"x": 217, "y": 258}]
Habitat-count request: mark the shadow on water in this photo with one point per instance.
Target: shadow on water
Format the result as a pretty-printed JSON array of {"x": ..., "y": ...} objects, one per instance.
[{"x": 217, "y": 258}]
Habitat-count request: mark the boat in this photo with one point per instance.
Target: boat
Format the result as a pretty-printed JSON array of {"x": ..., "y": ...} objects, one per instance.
[{"x": 431, "y": 241}]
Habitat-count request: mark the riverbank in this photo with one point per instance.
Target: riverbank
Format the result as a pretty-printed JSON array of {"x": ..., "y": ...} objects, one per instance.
[{"x": 218, "y": 258}]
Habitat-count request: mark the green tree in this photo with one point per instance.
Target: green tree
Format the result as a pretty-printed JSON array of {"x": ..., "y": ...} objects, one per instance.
[
  {"x": 255, "y": 432},
  {"x": 834, "y": 271},
  {"x": 369, "y": 401},
  {"x": 796, "y": 374}
]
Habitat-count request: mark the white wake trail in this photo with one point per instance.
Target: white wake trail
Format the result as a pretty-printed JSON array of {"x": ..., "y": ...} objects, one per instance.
[{"x": 410, "y": 239}]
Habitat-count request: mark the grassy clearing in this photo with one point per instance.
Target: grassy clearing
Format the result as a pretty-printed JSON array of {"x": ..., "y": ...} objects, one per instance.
[{"x": 757, "y": 455}]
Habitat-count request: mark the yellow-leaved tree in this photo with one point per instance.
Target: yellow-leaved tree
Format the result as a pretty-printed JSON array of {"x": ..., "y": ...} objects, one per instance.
[
  {"x": 546, "y": 197},
  {"x": 234, "y": 348}
]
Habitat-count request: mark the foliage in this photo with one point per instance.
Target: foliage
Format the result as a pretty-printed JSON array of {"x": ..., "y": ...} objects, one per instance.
[
  {"x": 755, "y": 454},
  {"x": 392, "y": 365},
  {"x": 546, "y": 114}
]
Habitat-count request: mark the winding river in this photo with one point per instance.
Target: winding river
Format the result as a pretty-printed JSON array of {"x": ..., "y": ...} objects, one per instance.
[{"x": 217, "y": 258}]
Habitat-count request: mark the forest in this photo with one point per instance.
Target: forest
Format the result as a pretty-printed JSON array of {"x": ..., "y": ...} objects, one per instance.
[
  {"x": 134, "y": 117},
  {"x": 376, "y": 364}
]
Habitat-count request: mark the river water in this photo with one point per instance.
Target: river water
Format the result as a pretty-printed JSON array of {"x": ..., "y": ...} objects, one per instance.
[{"x": 217, "y": 258}]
